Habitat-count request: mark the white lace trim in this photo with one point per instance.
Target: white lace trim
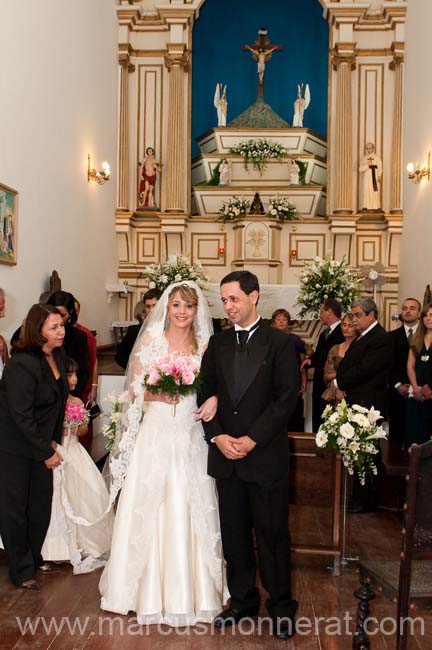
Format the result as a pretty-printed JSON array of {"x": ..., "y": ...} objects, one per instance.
[{"x": 81, "y": 564}]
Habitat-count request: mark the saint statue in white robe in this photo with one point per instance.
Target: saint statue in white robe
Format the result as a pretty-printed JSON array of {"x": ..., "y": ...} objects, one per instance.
[{"x": 371, "y": 171}]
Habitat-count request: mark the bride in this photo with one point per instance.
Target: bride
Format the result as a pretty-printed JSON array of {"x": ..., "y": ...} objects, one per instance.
[{"x": 166, "y": 556}]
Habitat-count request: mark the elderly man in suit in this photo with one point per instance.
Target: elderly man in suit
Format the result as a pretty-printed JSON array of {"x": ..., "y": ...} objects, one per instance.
[
  {"x": 253, "y": 370},
  {"x": 330, "y": 316},
  {"x": 363, "y": 376},
  {"x": 399, "y": 382}
]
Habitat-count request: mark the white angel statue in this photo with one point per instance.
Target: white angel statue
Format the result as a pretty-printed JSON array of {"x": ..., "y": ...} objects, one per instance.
[
  {"x": 301, "y": 104},
  {"x": 221, "y": 104}
]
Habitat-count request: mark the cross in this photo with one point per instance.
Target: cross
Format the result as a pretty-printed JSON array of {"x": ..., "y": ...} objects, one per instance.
[{"x": 261, "y": 51}]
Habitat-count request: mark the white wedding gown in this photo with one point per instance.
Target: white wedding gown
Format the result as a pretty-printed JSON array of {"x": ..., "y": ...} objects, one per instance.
[
  {"x": 166, "y": 556},
  {"x": 79, "y": 496}
]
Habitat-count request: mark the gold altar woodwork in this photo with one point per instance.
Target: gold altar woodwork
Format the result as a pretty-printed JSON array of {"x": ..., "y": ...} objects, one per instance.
[{"x": 365, "y": 104}]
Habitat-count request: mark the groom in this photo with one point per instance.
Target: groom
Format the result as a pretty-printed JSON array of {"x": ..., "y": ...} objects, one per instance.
[{"x": 253, "y": 370}]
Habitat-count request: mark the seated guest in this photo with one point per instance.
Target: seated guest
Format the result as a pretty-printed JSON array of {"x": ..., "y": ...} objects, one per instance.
[
  {"x": 4, "y": 355},
  {"x": 33, "y": 393},
  {"x": 418, "y": 420},
  {"x": 335, "y": 356},
  {"x": 142, "y": 309},
  {"x": 399, "y": 388},
  {"x": 75, "y": 341},
  {"x": 280, "y": 320},
  {"x": 362, "y": 377}
]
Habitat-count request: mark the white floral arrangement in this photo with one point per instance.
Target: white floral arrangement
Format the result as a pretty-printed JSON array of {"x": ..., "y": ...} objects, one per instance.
[
  {"x": 258, "y": 152},
  {"x": 280, "y": 208},
  {"x": 175, "y": 269},
  {"x": 326, "y": 278},
  {"x": 353, "y": 431},
  {"x": 233, "y": 209},
  {"x": 114, "y": 417}
]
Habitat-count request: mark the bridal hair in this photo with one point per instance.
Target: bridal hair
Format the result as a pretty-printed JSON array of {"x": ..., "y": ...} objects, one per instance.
[
  {"x": 418, "y": 338},
  {"x": 190, "y": 295}
]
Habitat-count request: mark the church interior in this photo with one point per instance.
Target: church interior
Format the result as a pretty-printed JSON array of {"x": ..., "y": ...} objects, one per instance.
[{"x": 142, "y": 107}]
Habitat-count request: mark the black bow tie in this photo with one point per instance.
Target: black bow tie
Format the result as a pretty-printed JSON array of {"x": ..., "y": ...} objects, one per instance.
[{"x": 243, "y": 335}]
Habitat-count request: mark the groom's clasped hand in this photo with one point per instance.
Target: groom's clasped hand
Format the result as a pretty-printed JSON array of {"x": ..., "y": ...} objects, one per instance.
[{"x": 234, "y": 448}]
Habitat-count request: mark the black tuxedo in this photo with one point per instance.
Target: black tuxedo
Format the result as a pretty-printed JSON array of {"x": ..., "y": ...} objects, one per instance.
[
  {"x": 318, "y": 360},
  {"x": 398, "y": 374},
  {"x": 364, "y": 371},
  {"x": 363, "y": 374},
  {"x": 124, "y": 348},
  {"x": 32, "y": 404},
  {"x": 257, "y": 390}
]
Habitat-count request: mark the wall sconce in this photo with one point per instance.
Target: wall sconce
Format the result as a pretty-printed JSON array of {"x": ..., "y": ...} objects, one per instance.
[
  {"x": 99, "y": 177},
  {"x": 416, "y": 174}
]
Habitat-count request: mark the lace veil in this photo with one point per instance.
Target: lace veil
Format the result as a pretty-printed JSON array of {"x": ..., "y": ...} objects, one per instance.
[{"x": 146, "y": 351}]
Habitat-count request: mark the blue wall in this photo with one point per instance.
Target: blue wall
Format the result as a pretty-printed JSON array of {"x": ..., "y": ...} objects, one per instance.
[{"x": 218, "y": 35}]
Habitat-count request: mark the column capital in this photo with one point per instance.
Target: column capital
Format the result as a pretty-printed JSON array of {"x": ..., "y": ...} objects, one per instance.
[
  {"x": 177, "y": 55},
  {"x": 398, "y": 50},
  {"x": 344, "y": 53},
  {"x": 125, "y": 61},
  {"x": 397, "y": 61}
]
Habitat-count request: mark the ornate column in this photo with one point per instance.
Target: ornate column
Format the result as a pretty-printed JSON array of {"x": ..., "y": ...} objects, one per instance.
[
  {"x": 396, "y": 164},
  {"x": 123, "y": 149},
  {"x": 343, "y": 63},
  {"x": 176, "y": 60}
]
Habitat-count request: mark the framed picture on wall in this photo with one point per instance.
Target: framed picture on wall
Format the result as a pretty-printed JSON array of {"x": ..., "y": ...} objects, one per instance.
[{"x": 8, "y": 224}]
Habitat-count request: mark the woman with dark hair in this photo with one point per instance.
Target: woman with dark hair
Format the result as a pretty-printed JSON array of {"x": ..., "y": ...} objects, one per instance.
[
  {"x": 75, "y": 341},
  {"x": 280, "y": 320},
  {"x": 33, "y": 393},
  {"x": 418, "y": 409}
]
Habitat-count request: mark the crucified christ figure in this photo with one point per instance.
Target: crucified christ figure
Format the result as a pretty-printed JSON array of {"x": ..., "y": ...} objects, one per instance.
[{"x": 262, "y": 51}]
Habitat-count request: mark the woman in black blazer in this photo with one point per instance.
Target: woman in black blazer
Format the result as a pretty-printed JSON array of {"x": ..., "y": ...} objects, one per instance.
[{"x": 33, "y": 393}]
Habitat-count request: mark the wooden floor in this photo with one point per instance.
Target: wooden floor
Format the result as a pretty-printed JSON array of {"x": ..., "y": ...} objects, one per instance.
[{"x": 66, "y": 600}]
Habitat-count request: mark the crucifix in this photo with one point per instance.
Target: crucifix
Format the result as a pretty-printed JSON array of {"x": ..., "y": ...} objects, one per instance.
[{"x": 262, "y": 51}]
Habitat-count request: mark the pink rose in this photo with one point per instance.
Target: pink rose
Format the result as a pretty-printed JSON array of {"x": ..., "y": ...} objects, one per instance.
[
  {"x": 188, "y": 377},
  {"x": 153, "y": 377}
]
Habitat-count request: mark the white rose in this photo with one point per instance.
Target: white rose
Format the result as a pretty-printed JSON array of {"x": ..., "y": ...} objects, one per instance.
[
  {"x": 321, "y": 438},
  {"x": 347, "y": 430}
]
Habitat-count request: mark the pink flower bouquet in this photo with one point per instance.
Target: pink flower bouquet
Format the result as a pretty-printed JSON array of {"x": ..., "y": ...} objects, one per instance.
[
  {"x": 177, "y": 375},
  {"x": 75, "y": 415}
]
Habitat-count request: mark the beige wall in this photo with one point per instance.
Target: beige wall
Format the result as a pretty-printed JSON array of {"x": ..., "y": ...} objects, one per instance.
[
  {"x": 58, "y": 89},
  {"x": 416, "y": 255}
]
